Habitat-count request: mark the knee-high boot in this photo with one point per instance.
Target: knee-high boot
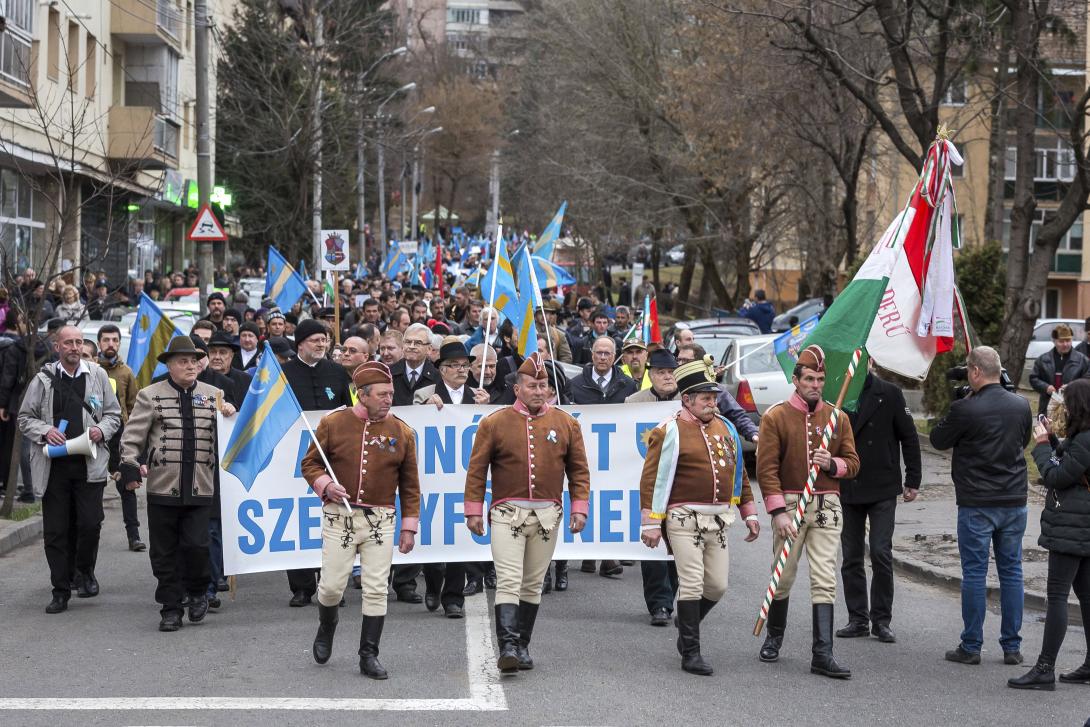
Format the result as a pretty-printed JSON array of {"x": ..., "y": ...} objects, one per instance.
[
  {"x": 327, "y": 626},
  {"x": 688, "y": 626},
  {"x": 370, "y": 634},
  {"x": 507, "y": 635},
  {"x": 527, "y": 617},
  {"x": 776, "y": 626},
  {"x": 823, "y": 662}
]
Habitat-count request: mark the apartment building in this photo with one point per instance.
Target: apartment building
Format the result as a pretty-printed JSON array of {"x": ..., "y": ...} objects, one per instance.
[
  {"x": 98, "y": 133},
  {"x": 482, "y": 32},
  {"x": 965, "y": 110}
]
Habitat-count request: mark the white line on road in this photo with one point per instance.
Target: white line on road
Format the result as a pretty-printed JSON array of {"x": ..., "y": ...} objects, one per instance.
[{"x": 485, "y": 691}]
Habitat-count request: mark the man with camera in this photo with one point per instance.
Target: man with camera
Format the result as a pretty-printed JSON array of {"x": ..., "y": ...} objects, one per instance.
[{"x": 988, "y": 431}]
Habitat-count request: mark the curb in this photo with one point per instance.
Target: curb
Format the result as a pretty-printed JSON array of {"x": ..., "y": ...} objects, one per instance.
[
  {"x": 951, "y": 580},
  {"x": 21, "y": 534}
]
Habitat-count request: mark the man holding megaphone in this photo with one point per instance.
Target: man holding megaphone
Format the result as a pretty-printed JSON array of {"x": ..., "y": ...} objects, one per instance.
[{"x": 70, "y": 412}]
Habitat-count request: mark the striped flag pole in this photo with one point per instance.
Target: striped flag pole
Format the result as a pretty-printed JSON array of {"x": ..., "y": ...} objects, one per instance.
[{"x": 807, "y": 495}]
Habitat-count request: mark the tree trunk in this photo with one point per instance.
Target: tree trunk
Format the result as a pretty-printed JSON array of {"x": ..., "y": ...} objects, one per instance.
[
  {"x": 685, "y": 283},
  {"x": 997, "y": 146},
  {"x": 711, "y": 274},
  {"x": 1026, "y": 276}
]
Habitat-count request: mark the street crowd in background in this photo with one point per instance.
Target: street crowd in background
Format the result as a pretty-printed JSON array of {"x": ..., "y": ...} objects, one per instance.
[{"x": 444, "y": 345}]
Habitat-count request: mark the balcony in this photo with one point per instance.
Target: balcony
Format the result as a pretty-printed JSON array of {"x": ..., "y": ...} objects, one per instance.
[
  {"x": 14, "y": 70},
  {"x": 142, "y": 138},
  {"x": 1066, "y": 262},
  {"x": 147, "y": 22}
]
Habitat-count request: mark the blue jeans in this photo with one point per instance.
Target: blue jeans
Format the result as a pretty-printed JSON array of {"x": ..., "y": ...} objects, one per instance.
[{"x": 1002, "y": 528}]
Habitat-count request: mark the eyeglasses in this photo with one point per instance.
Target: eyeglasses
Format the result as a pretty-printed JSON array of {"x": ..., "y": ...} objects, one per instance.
[
  {"x": 411, "y": 342},
  {"x": 457, "y": 367}
]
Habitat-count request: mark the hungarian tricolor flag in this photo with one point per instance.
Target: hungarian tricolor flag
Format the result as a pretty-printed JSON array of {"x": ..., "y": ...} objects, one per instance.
[
  {"x": 438, "y": 277},
  {"x": 899, "y": 307},
  {"x": 650, "y": 321}
]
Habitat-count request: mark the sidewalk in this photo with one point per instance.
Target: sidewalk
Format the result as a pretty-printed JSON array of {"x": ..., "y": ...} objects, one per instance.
[
  {"x": 15, "y": 533},
  {"x": 925, "y": 540}
]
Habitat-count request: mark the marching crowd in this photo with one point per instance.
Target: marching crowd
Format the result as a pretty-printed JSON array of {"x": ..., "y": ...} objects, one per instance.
[{"x": 393, "y": 344}]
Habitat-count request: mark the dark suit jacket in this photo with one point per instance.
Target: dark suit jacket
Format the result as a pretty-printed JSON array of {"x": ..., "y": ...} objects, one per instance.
[
  {"x": 241, "y": 384},
  {"x": 403, "y": 393},
  {"x": 584, "y": 387},
  {"x": 883, "y": 430}
]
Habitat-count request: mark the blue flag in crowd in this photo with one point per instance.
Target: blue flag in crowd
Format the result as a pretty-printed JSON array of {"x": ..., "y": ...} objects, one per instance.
[
  {"x": 282, "y": 283},
  {"x": 394, "y": 264},
  {"x": 549, "y": 274},
  {"x": 151, "y": 334},
  {"x": 268, "y": 412},
  {"x": 545, "y": 244},
  {"x": 505, "y": 297},
  {"x": 529, "y": 299}
]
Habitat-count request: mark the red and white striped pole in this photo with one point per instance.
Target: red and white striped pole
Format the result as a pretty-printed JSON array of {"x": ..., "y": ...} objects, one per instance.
[{"x": 807, "y": 495}]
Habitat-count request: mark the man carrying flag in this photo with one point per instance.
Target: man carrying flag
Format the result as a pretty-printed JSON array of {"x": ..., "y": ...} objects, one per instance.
[
  {"x": 173, "y": 428},
  {"x": 370, "y": 462}
]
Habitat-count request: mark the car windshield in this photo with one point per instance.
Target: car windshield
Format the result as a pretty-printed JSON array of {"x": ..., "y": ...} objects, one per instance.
[{"x": 758, "y": 358}]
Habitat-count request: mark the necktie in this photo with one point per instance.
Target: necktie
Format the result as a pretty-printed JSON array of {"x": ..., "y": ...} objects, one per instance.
[
  {"x": 602, "y": 383},
  {"x": 412, "y": 380}
]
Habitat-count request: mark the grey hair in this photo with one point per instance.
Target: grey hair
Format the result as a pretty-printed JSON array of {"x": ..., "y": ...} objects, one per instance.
[
  {"x": 986, "y": 360},
  {"x": 366, "y": 390},
  {"x": 418, "y": 328}
]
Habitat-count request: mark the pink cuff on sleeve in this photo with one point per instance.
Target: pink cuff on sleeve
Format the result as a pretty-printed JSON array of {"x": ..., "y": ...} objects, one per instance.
[
  {"x": 410, "y": 523},
  {"x": 579, "y": 507},
  {"x": 775, "y": 502},
  {"x": 473, "y": 509},
  {"x": 840, "y": 467},
  {"x": 320, "y": 484},
  {"x": 748, "y": 508}
]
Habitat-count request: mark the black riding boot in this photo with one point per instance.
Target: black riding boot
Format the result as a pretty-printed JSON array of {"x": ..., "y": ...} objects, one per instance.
[
  {"x": 327, "y": 626},
  {"x": 527, "y": 617},
  {"x": 776, "y": 625},
  {"x": 688, "y": 626},
  {"x": 823, "y": 662},
  {"x": 370, "y": 634},
  {"x": 561, "y": 575},
  {"x": 507, "y": 635},
  {"x": 706, "y": 604}
]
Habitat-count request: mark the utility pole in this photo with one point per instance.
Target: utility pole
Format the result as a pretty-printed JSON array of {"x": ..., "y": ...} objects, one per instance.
[
  {"x": 361, "y": 180},
  {"x": 381, "y": 183},
  {"x": 416, "y": 186},
  {"x": 494, "y": 192},
  {"x": 205, "y": 259},
  {"x": 316, "y": 140}
]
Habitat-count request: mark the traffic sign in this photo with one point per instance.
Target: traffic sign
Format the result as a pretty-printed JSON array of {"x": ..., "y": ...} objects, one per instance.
[{"x": 206, "y": 228}]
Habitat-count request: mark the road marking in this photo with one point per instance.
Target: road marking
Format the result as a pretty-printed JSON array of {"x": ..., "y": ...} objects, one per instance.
[{"x": 485, "y": 691}]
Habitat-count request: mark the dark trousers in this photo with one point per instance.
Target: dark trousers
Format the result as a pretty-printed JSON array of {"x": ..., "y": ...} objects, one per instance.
[
  {"x": 1064, "y": 572},
  {"x": 71, "y": 524},
  {"x": 178, "y": 545},
  {"x": 448, "y": 580},
  {"x": 659, "y": 584},
  {"x": 303, "y": 579},
  {"x": 882, "y": 516},
  {"x": 403, "y": 578},
  {"x": 128, "y": 497},
  {"x": 215, "y": 553}
]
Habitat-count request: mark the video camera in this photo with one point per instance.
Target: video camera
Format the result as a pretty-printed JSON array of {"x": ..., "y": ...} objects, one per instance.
[{"x": 961, "y": 373}]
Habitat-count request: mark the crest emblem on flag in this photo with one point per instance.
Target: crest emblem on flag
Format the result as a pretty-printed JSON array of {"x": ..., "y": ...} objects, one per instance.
[{"x": 334, "y": 249}]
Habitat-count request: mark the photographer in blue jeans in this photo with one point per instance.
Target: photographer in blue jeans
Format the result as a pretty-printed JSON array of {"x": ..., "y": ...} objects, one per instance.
[{"x": 988, "y": 431}]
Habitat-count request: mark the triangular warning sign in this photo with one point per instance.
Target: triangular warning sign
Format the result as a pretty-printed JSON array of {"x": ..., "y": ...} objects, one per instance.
[{"x": 206, "y": 228}]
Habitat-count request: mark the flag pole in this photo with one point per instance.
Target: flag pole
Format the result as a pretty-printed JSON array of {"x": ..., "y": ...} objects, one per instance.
[
  {"x": 548, "y": 336},
  {"x": 491, "y": 302},
  {"x": 336, "y": 309},
  {"x": 807, "y": 495},
  {"x": 325, "y": 460}
]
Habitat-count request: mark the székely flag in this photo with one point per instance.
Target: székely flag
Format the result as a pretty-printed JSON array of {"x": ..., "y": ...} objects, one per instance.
[
  {"x": 150, "y": 335},
  {"x": 282, "y": 283}
]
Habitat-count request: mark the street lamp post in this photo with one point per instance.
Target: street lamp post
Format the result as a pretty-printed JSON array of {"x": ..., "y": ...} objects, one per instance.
[
  {"x": 361, "y": 151},
  {"x": 493, "y": 216},
  {"x": 382, "y": 160},
  {"x": 416, "y": 174}
]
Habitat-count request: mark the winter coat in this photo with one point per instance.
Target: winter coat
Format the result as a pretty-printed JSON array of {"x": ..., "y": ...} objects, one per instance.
[
  {"x": 1044, "y": 373},
  {"x": 36, "y": 418},
  {"x": 1065, "y": 521}
]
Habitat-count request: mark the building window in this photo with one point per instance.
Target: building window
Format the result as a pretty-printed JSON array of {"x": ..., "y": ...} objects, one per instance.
[
  {"x": 464, "y": 16},
  {"x": 53, "y": 59},
  {"x": 187, "y": 128},
  {"x": 957, "y": 93},
  {"x": 1053, "y": 164},
  {"x": 189, "y": 26},
  {"x": 91, "y": 72},
  {"x": 1050, "y": 307},
  {"x": 22, "y": 222},
  {"x": 73, "y": 56}
]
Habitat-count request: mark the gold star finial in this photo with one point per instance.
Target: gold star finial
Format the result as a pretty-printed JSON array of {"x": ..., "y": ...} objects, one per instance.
[{"x": 944, "y": 132}]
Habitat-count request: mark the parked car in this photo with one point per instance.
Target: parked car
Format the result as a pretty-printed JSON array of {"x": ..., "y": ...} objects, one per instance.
[
  {"x": 752, "y": 374},
  {"x": 675, "y": 255},
  {"x": 713, "y": 330},
  {"x": 254, "y": 288},
  {"x": 1041, "y": 341},
  {"x": 806, "y": 309}
]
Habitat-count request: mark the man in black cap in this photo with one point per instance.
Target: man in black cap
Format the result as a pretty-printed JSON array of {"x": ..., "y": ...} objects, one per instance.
[
  {"x": 180, "y": 471},
  {"x": 318, "y": 385},
  {"x": 232, "y": 319},
  {"x": 659, "y": 576},
  {"x": 217, "y": 306},
  {"x": 282, "y": 348},
  {"x": 275, "y": 323}
]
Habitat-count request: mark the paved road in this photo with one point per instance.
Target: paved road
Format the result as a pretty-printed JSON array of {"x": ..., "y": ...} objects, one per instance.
[{"x": 599, "y": 663}]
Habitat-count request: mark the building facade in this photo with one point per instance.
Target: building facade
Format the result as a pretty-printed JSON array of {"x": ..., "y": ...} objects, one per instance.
[{"x": 98, "y": 134}]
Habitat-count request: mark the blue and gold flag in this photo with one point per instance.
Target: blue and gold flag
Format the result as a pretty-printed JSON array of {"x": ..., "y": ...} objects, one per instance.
[
  {"x": 268, "y": 412},
  {"x": 282, "y": 283},
  {"x": 150, "y": 335}
]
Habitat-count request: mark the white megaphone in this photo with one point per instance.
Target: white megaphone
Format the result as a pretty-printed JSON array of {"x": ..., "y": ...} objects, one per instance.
[{"x": 80, "y": 445}]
